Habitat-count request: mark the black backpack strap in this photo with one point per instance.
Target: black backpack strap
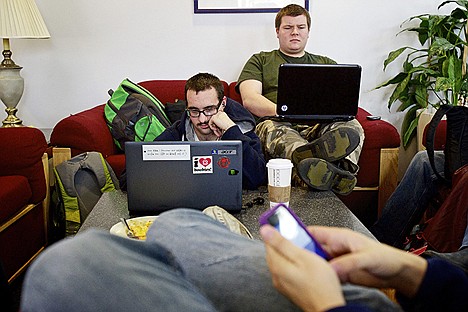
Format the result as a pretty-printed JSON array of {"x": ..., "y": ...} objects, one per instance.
[{"x": 430, "y": 136}]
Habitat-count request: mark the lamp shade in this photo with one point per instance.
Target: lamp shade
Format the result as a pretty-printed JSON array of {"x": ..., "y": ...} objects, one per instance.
[{"x": 21, "y": 19}]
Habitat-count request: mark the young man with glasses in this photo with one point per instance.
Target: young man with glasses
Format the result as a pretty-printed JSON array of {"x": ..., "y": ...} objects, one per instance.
[{"x": 211, "y": 116}]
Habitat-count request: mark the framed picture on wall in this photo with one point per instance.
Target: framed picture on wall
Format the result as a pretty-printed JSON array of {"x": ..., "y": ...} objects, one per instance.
[{"x": 244, "y": 6}]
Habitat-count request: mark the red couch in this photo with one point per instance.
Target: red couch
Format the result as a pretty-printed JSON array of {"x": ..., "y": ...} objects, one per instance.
[
  {"x": 87, "y": 131},
  {"x": 23, "y": 188}
]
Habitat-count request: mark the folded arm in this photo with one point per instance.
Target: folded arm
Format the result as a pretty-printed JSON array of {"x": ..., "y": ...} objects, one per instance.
[{"x": 254, "y": 101}]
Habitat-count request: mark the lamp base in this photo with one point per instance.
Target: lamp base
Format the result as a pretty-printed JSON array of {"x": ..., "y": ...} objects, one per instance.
[
  {"x": 11, "y": 90},
  {"x": 12, "y": 120}
]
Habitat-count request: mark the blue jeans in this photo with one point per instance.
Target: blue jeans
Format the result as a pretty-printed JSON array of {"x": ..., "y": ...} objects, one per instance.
[
  {"x": 189, "y": 262},
  {"x": 407, "y": 204}
]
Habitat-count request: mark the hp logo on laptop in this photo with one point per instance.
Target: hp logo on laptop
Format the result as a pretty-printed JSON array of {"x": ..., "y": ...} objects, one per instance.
[{"x": 284, "y": 108}]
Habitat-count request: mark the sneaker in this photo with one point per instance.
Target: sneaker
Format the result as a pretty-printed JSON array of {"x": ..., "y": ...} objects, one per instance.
[
  {"x": 323, "y": 175},
  {"x": 234, "y": 225},
  {"x": 331, "y": 146}
]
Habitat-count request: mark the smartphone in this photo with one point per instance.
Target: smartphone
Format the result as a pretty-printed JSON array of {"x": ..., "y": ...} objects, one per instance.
[{"x": 292, "y": 228}]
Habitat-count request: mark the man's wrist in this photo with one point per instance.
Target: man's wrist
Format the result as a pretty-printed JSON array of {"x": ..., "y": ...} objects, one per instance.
[{"x": 411, "y": 276}]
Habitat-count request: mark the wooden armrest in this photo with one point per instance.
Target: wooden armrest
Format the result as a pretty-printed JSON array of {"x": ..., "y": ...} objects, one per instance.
[
  {"x": 59, "y": 155},
  {"x": 388, "y": 177}
]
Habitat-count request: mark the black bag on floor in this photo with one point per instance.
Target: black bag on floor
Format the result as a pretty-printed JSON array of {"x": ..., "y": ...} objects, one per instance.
[{"x": 456, "y": 145}]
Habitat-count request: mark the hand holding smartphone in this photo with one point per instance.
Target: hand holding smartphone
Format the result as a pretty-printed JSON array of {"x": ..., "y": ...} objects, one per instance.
[{"x": 292, "y": 228}]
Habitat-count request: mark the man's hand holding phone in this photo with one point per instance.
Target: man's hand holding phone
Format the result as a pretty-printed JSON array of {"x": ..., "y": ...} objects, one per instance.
[
  {"x": 302, "y": 276},
  {"x": 297, "y": 262},
  {"x": 290, "y": 226}
]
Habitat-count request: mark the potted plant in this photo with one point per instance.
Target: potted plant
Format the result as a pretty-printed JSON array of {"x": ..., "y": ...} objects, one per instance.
[{"x": 433, "y": 73}]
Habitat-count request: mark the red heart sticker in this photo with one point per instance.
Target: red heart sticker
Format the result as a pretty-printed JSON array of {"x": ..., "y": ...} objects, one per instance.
[{"x": 204, "y": 161}]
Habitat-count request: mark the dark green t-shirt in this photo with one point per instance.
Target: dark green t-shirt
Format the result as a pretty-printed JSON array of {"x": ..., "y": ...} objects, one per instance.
[{"x": 264, "y": 66}]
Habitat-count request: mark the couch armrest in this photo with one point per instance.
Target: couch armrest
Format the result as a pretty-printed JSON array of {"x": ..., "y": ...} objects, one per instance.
[
  {"x": 379, "y": 135},
  {"x": 85, "y": 131},
  {"x": 22, "y": 149},
  {"x": 440, "y": 135}
]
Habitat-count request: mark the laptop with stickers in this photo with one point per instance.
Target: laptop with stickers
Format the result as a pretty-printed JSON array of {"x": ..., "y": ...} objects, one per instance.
[
  {"x": 183, "y": 174},
  {"x": 318, "y": 92}
]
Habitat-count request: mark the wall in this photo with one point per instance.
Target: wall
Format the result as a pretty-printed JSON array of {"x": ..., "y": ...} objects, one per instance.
[{"x": 95, "y": 44}]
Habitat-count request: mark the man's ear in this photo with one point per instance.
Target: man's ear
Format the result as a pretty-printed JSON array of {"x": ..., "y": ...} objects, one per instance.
[{"x": 223, "y": 104}]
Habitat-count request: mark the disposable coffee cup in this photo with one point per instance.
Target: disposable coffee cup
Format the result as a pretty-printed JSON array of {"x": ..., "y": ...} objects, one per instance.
[{"x": 279, "y": 181}]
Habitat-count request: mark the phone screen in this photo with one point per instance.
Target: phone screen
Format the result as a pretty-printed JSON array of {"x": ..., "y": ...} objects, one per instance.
[{"x": 290, "y": 228}]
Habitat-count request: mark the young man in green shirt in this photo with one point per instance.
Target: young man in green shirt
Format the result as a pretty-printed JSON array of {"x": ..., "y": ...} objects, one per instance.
[{"x": 325, "y": 155}]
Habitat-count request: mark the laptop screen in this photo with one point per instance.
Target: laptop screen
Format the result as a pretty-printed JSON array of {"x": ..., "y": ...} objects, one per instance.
[
  {"x": 183, "y": 174},
  {"x": 318, "y": 91}
]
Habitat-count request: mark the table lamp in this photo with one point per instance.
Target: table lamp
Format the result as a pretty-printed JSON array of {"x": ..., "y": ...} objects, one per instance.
[{"x": 18, "y": 19}]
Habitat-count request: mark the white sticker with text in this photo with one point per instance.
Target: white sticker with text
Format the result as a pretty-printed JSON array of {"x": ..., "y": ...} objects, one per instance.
[{"x": 166, "y": 152}]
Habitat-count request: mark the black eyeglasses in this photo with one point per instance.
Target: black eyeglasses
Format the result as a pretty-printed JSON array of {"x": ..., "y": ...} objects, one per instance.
[{"x": 208, "y": 111}]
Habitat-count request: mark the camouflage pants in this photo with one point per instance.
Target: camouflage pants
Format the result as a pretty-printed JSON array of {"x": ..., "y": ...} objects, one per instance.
[{"x": 280, "y": 139}]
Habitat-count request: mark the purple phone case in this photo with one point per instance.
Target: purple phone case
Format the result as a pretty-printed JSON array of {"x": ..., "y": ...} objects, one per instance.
[{"x": 314, "y": 246}]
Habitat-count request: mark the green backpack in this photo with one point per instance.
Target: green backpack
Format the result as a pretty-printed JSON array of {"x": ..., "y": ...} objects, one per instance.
[{"x": 134, "y": 114}]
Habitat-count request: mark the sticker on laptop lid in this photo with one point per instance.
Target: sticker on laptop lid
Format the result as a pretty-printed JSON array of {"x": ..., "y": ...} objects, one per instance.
[
  {"x": 224, "y": 152},
  {"x": 224, "y": 162},
  {"x": 202, "y": 164},
  {"x": 166, "y": 152}
]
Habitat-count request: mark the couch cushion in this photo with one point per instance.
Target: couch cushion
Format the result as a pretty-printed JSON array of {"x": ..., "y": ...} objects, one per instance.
[
  {"x": 233, "y": 94},
  {"x": 117, "y": 162},
  {"x": 165, "y": 90},
  {"x": 21, "y": 153},
  {"x": 15, "y": 194},
  {"x": 85, "y": 131}
]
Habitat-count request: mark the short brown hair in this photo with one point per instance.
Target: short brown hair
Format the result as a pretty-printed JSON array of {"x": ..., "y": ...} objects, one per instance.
[
  {"x": 204, "y": 81},
  {"x": 292, "y": 10}
]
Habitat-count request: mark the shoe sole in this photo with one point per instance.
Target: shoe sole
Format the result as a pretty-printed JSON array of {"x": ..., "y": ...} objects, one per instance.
[
  {"x": 322, "y": 175},
  {"x": 331, "y": 146},
  {"x": 231, "y": 222}
]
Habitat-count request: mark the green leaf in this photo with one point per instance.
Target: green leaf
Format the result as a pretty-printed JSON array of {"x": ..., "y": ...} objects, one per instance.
[
  {"x": 462, "y": 3},
  {"x": 395, "y": 80},
  {"x": 440, "y": 46},
  {"x": 420, "y": 93},
  {"x": 459, "y": 14},
  {"x": 408, "y": 128},
  {"x": 393, "y": 55},
  {"x": 400, "y": 89},
  {"x": 405, "y": 103},
  {"x": 443, "y": 84},
  {"x": 410, "y": 133}
]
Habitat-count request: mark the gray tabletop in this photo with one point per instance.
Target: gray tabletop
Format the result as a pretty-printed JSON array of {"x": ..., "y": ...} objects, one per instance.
[{"x": 314, "y": 208}]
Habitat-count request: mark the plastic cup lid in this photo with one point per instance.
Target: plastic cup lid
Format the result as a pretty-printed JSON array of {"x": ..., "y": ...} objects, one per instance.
[{"x": 279, "y": 163}]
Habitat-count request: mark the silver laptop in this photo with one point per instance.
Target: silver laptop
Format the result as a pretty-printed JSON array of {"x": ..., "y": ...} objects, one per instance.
[
  {"x": 318, "y": 92},
  {"x": 182, "y": 174}
]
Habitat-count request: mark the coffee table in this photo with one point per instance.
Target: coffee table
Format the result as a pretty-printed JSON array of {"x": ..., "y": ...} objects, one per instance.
[{"x": 314, "y": 208}]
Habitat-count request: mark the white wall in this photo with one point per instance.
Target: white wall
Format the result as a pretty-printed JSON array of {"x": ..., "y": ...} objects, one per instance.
[{"x": 95, "y": 44}]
